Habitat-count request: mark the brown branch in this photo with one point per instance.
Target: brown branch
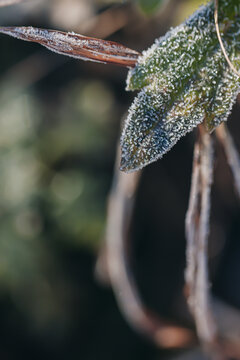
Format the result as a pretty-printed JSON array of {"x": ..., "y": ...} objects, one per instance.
[
  {"x": 75, "y": 45},
  {"x": 197, "y": 228},
  {"x": 36, "y": 66},
  {"x": 118, "y": 270},
  {"x": 231, "y": 152}
]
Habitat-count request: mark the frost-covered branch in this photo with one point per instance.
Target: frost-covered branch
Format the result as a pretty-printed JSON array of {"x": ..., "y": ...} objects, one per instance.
[
  {"x": 191, "y": 222},
  {"x": 197, "y": 229},
  {"x": 76, "y": 45},
  {"x": 202, "y": 308}
]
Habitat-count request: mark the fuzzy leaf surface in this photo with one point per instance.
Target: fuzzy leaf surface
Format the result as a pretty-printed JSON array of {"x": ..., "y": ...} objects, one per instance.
[{"x": 184, "y": 80}]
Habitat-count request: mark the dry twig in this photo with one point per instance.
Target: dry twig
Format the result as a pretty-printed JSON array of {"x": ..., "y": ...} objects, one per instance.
[
  {"x": 197, "y": 228},
  {"x": 75, "y": 45},
  {"x": 119, "y": 271}
]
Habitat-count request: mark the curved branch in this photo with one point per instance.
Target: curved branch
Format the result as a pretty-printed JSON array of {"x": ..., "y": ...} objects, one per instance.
[
  {"x": 117, "y": 264},
  {"x": 197, "y": 229},
  {"x": 120, "y": 208}
]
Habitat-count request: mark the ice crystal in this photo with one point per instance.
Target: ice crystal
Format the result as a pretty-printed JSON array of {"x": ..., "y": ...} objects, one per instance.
[{"x": 184, "y": 80}]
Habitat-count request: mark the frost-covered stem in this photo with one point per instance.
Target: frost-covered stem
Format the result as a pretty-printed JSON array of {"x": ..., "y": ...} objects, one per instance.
[
  {"x": 191, "y": 222},
  {"x": 76, "y": 45},
  {"x": 232, "y": 154},
  {"x": 204, "y": 319},
  {"x": 120, "y": 208},
  {"x": 197, "y": 229}
]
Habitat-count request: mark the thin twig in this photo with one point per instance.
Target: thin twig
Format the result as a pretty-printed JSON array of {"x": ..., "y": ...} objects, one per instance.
[
  {"x": 221, "y": 42},
  {"x": 205, "y": 323},
  {"x": 197, "y": 228},
  {"x": 231, "y": 152},
  {"x": 76, "y": 45},
  {"x": 190, "y": 222},
  {"x": 120, "y": 208},
  {"x": 36, "y": 66},
  {"x": 119, "y": 272}
]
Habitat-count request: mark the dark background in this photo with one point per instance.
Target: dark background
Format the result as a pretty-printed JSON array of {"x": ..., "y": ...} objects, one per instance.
[{"x": 59, "y": 125}]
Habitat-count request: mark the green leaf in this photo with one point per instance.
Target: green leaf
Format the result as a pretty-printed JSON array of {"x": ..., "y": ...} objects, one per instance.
[{"x": 184, "y": 80}]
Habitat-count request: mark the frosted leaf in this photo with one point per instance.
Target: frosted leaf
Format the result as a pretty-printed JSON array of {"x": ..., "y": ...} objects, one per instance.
[
  {"x": 76, "y": 45},
  {"x": 184, "y": 80}
]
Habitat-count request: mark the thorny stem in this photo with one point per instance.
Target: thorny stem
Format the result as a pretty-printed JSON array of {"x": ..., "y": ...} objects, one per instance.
[
  {"x": 232, "y": 155},
  {"x": 221, "y": 42},
  {"x": 197, "y": 229}
]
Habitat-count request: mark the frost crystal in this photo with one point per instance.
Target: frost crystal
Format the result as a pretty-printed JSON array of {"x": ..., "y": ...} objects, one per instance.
[{"x": 184, "y": 80}]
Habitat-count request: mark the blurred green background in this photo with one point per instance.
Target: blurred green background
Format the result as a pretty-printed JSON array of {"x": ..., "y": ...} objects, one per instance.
[{"x": 60, "y": 121}]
